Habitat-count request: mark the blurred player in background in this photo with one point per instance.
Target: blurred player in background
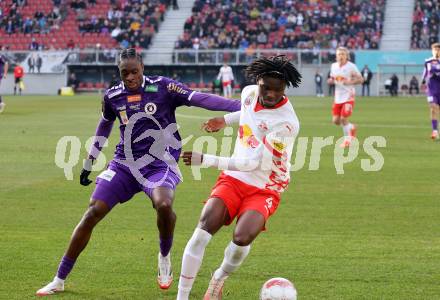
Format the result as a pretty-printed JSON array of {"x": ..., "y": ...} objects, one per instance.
[
  {"x": 18, "y": 79},
  {"x": 255, "y": 175},
  {"x": 344, "y": 75},
  {"x": 227, "y": 77},
  {"x": 145, "y": 107},
  {"x": 3, "y": 72},
  {"x": 431, "y": 75}
]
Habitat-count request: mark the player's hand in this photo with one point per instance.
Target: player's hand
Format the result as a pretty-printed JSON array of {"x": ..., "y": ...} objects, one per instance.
[
  {"x": 191, "y": 158},
  {"x": 85, "y": 172},
  {"x": 214, "y": 124},
  {"x": 330, "y": 81},
  {"x": 347, "y": 82},
  {"x": 84, "y": 177}
]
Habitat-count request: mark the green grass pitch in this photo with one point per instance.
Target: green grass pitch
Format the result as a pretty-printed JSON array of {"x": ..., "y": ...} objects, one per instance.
[{"x": 361, "y": 235}]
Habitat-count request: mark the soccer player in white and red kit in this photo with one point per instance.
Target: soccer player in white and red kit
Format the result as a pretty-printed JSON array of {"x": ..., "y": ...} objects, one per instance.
[
  {"x": 227, "y": 77},
  {"x": 254, "y": 177},
  {"x": 344, "y": 75}
]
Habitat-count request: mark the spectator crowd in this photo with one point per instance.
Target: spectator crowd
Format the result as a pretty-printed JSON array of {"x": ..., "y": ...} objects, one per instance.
[
  {"x": 426, "y": 20},
  {"x": 312, "y": 24},
  {"x": 131, "y": 23}
]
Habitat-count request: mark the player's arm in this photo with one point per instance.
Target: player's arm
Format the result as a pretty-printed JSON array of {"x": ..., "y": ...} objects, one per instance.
[
  {"x": 218, "y": 123},
  {"x": 102, "y": 133},
  {"x": 357, "y": 78},
  {"x": 5, "y": 72},
  {"x": 425, "y": 73},
  {"x": 273, "y": 153},
  {"x": 331, "y": 77},
  {"x": 182, "y": 95}
]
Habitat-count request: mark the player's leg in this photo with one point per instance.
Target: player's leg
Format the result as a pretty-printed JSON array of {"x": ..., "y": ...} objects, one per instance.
[
  {"x": 225, "y": 89},
  {"x": 434, "y": 111},
  {"x": 160, "y": 186},
  {"x": 249, "y": 225},
  {"x": 116, "y": 186},
  {"x": 163, "y": 198},
  {"x": 2, "y": 104},
  {"x": 348, "y": 128},
  {"x": 214, "y": 215},
  {"x": 80, "y": 237},
  {"x": 15, "y": 86},
  {"x": 253, "y": 213}
]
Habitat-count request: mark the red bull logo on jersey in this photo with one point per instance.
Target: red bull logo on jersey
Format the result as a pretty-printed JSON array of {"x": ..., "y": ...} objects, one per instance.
[
  {"x": 247, "y": 138},
  {"x": 339, "y": 78}
]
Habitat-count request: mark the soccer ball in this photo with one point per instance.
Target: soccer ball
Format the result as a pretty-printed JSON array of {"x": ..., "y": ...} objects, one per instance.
[{"x": 278, "y": 289}]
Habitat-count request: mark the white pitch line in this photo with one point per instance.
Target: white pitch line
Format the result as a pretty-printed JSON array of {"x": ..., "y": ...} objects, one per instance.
[{"x": 323, "y": 124}]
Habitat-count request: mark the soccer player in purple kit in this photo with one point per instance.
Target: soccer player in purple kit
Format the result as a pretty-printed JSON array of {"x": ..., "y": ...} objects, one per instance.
[
  {"x": 431, "y": 74},
  {"x": 3, "y": 72},
  {"x": 145, "y": 158}
]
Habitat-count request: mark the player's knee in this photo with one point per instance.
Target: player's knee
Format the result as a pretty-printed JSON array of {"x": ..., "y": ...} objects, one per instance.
[
  {"x": 92, "y": 217},
  {"x": 242, "y": 238},
  {"x": 164, "y": 205},
  {"x": 337, "y": 121}
]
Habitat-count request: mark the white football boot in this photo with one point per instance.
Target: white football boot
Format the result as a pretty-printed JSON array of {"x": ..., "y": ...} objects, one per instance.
[
  {"x": 57, "y": 285},
  {"x": 165, "y": 273}
]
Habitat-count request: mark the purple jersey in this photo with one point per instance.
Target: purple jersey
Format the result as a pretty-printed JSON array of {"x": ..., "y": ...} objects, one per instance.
[
  {"x": 147, "y": 118},
  {"x": 431, "y": 74},
  {"x": 2, "y": 65}
]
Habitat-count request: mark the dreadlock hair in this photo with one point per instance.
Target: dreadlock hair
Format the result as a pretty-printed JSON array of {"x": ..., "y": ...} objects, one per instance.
[
  {"x": 130, "y": 53},
  {"x": 277, "y": 66}
]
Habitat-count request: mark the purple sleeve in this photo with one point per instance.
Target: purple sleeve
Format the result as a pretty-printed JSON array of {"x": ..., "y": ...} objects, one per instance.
[
  {"x": 425, "y": 71},
  {"x": 103, "y": 131},
  {"x": 107, "y": 111},
  {"x": 214, "y": 102}
]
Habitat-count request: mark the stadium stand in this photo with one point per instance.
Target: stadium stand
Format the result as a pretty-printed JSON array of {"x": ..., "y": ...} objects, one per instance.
[
  {"x": 312, "y": 24},
  {"x": 425, "y": 29},
  {"x": 59, "y": 24}
]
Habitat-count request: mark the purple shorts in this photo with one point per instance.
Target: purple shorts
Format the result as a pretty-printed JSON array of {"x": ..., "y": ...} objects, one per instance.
[
  {"x": 117, "y": 184},
  {"x": 434, "y": 99}
]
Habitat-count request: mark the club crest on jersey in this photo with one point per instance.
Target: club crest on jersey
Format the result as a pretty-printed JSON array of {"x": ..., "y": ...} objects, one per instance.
[
  {"x": 134, "y": 98},
  {"x": 172, "y": 87},
  {"x": 124, "y": 117},
  {"x": 248, "y": 101},
  {"x": 262, "y": 126},
  {"x": 279, "y": 146},
  {"x": 150, "y": 108}
]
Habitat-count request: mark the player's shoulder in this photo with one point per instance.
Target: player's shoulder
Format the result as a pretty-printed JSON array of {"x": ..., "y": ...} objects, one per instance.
[
  {"x": 155, "y": 79},
  {"x": 430, "y": 59},
  {"x": 285, "y": 118},
  {"x": 249, "y": 91},
  {"x": 351, "y": 65},
  {"x": 114, "y": 91}
]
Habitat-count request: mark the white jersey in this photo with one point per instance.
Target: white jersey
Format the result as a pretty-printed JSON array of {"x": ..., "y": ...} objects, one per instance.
[
  {"x": 343, "y": 92},
  {"x": 225, "y": 74},
  {"x": 265, "y": 135}
]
